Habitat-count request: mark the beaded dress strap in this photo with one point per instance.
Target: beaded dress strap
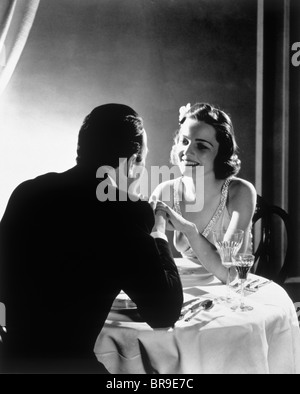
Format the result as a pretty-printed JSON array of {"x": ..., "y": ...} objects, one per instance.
[
  {"x": 176, "y": 196},
  {"x": 219, "y": 210}
]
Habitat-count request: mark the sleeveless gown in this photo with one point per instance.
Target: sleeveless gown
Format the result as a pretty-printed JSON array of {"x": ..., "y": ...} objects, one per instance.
[{"x": 219, "y": 221}]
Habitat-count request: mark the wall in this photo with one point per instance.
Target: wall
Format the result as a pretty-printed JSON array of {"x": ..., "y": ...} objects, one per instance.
[{"x": 154, "y": 55}]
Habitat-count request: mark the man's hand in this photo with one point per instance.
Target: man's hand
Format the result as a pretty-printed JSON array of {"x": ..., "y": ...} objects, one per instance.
[
  {"x": 174, "y": 220},
  {"x": 160, "y": 217}
]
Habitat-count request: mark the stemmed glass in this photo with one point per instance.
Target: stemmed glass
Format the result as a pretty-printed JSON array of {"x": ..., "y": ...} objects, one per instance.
[
  {"x": 243, "y": 262},
  {"x": 228, "y": 244}
]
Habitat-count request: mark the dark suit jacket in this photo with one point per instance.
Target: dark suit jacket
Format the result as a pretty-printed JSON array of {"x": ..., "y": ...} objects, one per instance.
[{"x": 64, "y": 258}]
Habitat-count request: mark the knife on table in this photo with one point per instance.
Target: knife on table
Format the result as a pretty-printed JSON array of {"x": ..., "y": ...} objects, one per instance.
[
  {"x": 194, "y": 308},
  {"x": 190, "y": 308},
  {"x": 251, "y": 283},
  {"x": 261, "y": 284},
  {"x": 256, "y": 286},
  {"x": 205, "y": 305}
]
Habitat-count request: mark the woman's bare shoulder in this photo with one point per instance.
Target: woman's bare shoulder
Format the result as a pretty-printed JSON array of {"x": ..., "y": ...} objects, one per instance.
[
  {"x": 242, "y": 189},
  {"x": 239, "y": 184}
]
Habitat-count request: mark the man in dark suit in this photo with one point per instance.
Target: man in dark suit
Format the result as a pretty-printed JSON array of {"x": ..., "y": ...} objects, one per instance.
[{"x": 66, "y": 252}]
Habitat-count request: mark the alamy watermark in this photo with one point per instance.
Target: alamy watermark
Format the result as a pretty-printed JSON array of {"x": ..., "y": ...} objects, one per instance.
[
  {"x": 139, "y": 181},
  {"x": 296, "y": 56},
  {"x": 2, "y": 315}
]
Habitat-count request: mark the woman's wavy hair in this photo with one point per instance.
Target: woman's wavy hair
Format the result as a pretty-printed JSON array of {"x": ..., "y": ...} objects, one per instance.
[
  {"x": 108, "y": 133},
  {"x": 226, "y": 162}
]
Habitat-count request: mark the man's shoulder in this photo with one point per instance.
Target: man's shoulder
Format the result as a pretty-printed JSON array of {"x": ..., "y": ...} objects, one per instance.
[
  {"x": 34, "y": 185},
  {"x": 33, "y": 193}
]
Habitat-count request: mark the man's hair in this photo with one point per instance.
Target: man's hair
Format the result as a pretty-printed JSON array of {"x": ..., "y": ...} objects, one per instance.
[{"x": 108, "y": 133}]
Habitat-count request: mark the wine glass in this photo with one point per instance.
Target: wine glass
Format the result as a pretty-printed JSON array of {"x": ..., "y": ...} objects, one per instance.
[
  {"x": 228, "y": 244},
  {"x": 243, "y": 262}
]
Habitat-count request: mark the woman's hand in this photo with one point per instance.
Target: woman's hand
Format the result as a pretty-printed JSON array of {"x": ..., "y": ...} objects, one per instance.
[
  {"x": 174, "y": 220},
  {"x": 160, "y": 222}
]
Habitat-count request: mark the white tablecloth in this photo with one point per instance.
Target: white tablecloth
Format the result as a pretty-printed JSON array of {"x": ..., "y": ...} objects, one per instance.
[{"x": 218, "y": 341}]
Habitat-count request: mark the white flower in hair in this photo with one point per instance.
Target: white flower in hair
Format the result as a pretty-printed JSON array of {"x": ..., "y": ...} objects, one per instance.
[{"x": 183, "y": 110}]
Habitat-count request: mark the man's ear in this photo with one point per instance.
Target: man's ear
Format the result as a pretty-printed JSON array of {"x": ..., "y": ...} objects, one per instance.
[{"x": 131, "y": 163}]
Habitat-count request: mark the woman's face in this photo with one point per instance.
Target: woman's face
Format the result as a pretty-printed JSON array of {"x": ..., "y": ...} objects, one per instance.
[{"x": 196, "y": 146}]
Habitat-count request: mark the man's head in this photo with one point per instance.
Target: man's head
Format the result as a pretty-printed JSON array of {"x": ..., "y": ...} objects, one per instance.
[{"x": 108, "y": 133}]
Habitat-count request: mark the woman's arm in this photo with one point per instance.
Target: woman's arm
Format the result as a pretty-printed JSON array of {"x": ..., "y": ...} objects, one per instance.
[
  {"x": 241, "y": 206},
  {"x": 206, "y": 252},
  {"x": 164, "y": 192}
]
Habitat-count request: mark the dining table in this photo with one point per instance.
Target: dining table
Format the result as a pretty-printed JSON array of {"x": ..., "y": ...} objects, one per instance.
[{"x": 221, "y": 339}]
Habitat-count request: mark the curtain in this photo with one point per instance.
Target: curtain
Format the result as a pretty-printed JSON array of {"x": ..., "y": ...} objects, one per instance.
[{"x": 16, "y": 19}]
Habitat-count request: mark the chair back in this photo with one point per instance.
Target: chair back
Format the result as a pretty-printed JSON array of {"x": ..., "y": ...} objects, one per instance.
[{"x": 271, "y": 219}]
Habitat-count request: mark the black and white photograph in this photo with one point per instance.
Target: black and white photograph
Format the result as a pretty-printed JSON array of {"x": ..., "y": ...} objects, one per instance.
[{"x": 149, "y": 189}]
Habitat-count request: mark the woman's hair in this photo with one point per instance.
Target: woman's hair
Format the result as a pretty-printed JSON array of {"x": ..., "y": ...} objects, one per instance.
[
  {"x": 108, "y": 133},
  {"x": 226, "y": 162}
]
